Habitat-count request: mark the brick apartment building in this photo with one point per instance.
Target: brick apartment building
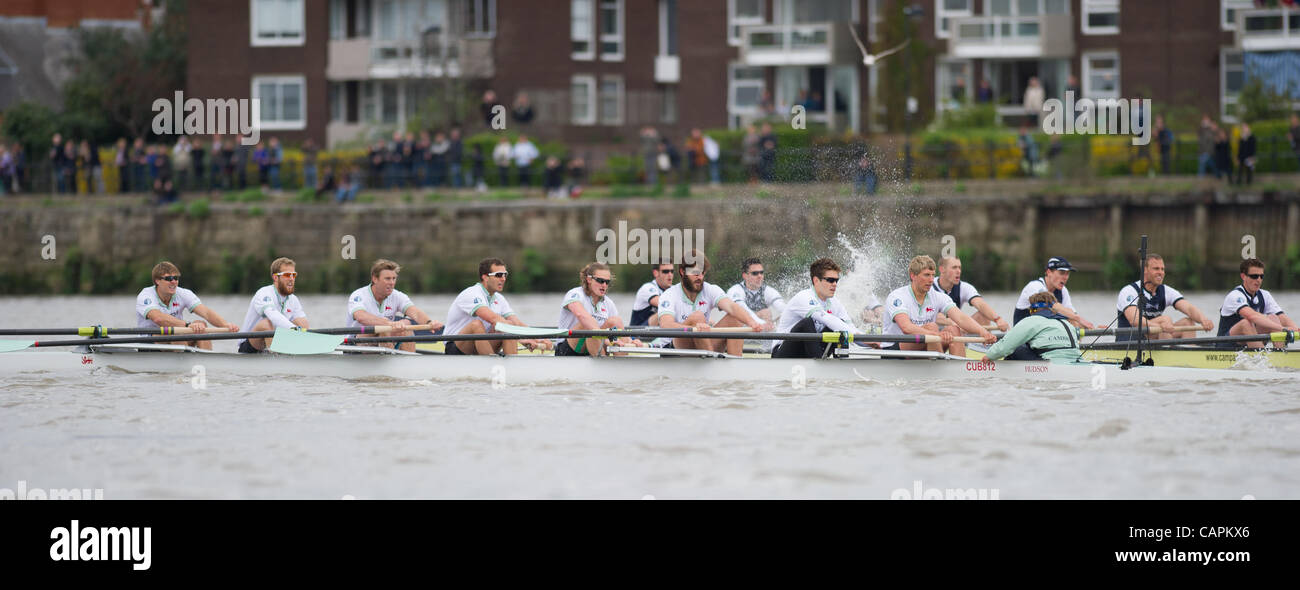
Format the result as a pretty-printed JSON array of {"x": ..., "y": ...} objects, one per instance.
[{"x": 598, "y": 70}]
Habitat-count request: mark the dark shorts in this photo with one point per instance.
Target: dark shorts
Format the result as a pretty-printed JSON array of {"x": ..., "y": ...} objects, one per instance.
[
  {"x": 453, "y": 350},
  {"x": 246, "y": 348},
  {"x": 563, "y": 349}
]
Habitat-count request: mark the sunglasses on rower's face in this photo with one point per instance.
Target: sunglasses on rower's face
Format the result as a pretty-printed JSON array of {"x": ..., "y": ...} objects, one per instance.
[
  {"x": 170, "y": 278},
  {"x": 287, "y": 275},
  {"x": 757, "y": 273},
  {"x": 831, "y": 280},
  {"x": 602, "y": 281},
  {"x": 1255, "y": 276},
  {"x": 501, "y": 274}
]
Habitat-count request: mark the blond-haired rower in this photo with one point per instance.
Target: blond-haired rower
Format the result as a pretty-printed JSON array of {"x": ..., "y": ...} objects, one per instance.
[
  {"x": 914, "y": 307},
  {"x": 588, "y": 307},
  {"x": 378, "y": 304},
  {"x": 274, "y": 306},
  {"x": 165, "y": 303}
]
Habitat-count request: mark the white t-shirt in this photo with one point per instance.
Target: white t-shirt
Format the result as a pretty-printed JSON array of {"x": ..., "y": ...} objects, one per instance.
[
  {"x": 461, "y": 312},
  {"x": 1129, "y": 294},
  {"x": 771, "y": 299},
  {"x": 902, "y": 301},
  {"x": 1038, "y": 286},
  {"x": 873, "y": 301},
  {"x": 364, "y": 299},
  {"x": 827, "y": 313},
  {"x": 644, "y": 294},
  {"x": 1235, "y": 301},
  {"x": 601, "y": 311},
  {"x": 184, "y": 300},
  {"x": 673, "y": 302},
  {"x": 268, "y": 303},
  {"x": 965, "y": 292}
]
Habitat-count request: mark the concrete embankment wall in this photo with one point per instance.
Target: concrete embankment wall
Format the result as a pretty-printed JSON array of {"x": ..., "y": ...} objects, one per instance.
[{"x": 105, "y": 246}]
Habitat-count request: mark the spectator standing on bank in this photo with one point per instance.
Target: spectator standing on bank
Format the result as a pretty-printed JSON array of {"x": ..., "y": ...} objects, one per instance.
[
  {"x": 577, "y": 177},
  {"x": 523, "y": 110},
  {"x": 749, "y": 153},
  {"x": 140, "y": 166},
  {"x": 260, "y": 157},
  {"x": 198, "y": 154},
  {"x": 485, "y": 107},
  {"x": 713, "y": 153},
  {"x": 1165, "y": 139},
  {"x": 1033, "y": 102},
  {"x": 501, "y": 157},
  {"x": 438, "y": 158},
  {"x": 274, "y": 158},
  {"x": 1205, "y": 138},
  {"x": 1028, "y": 149},
  {"x": 122, "y": 161},
  {"x": 56, "y": 164},
  {"x": 524, "y": 153},
  {"x": 553, "y": 178},
  {"x": 864, "y": 179},
  {"x": 455, "y": 155},
  {"x": 767, "y": 146},
  {"x": 695, "y": 158},
  {"x": 1293, "y": 135},
  {"x": 478, "y": 169},
  {"x": 1222, "y": 154},
  {"x": 309, "y": 154},
  {"x": 650, "y": 153},
  {"x": 6, "y": 169},
  {"x": 89, "y": 155},
  {"x": 181, "y": 162},
  {"x": 1246, "y": 155},
  {"x": 984, "y": 93}
]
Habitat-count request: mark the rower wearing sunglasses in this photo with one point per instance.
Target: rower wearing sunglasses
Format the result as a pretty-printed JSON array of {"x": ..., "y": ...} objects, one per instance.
[
  {"x": 687, "y": 305},
  {"x": 479, "y": 308},
  {"x": 915, "y": 307},
  {"x": 588, "y": 307},
  {"x": 1249, "y": 309},
  {"x": 273, "y": 306},
  {"x": 764, "y": 302},
  {"x": 814, "y": 310},
  {"x": 165, "y": 303}
]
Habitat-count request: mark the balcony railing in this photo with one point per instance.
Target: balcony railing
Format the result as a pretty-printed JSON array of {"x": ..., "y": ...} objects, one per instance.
[
  {"x": 1268, "y": 29},
  {"x": 800, "y": 44},
  {"x": 1048, "y": 35}
]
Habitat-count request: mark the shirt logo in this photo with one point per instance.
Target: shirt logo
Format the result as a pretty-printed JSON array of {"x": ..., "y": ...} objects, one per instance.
[
  {"x": 147, "y": 301},
  {"x": 929, "y": 309},
  {"x": 476, "y": 300},
  {"x": 175, "y": 304},
  {"x": 267, "y": 298},
  {"x": 812, "y": 302},
  {"x": 357, "y": 299},
  {"x": 386, "y": 308},
  {"x": 898, "y": 302}
]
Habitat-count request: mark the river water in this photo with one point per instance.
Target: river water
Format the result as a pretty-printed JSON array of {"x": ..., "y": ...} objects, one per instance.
[{"x": 155, "y": 436}]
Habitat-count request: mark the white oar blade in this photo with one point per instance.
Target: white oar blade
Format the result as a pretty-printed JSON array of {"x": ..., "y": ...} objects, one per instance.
[
  {"x": 13, "y": 345},
  {"x": 530, "y": 331},
  {"x": 294, "y": 342}
]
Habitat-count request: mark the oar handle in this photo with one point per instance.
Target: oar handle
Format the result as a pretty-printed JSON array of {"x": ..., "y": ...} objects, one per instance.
[
  {"x": 390, "y": 329},
  {"x": 726, "y": 330},
  {"x": 932, "y": 339}
]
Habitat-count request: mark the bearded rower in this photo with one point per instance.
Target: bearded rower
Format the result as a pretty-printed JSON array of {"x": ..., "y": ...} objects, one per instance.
[
  {"x": 1159, "y": 297},
  {"x": 165, "y": 303},
  {"x": 273, "y": 306},
  {"x": 814, "y": 310},
  {"x": 949, "y": 283},
  {"x": 687, "y": 305},
  {"x": 479, "y": 308},
  {"x": 1053, "y": 281},
  {"x": 1249, "y": 309},
  {"x": 913, "y": 308},
  {"x": 378, "y": 304},
  {"x": 647, "y": 297},
  {"x": 588, "y": 307}
]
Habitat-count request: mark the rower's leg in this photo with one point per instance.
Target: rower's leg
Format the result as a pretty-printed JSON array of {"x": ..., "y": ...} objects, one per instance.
[
  {"x": 653, "y": 322},
  {"x": 263, "y": 325},
  {"x": 406, "y": 346},
  {"x": 1246, "y": 328},
  {"x": 1183, "y": 322},
  {"x": 956, "y": 348},
  {"x": 472, "y": 346},
  {"x": 697, "y": 343},
  {"x": 734, "y": 347},
  {"x": 203, "y": 344},
  {"x": 1166, "y": 326}
]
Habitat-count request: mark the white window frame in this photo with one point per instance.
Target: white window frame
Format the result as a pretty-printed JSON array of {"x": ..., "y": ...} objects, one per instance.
[
  {"x": 941, "y": 13},
  {"x": 590, "y": 53},
  {"x": 620, "y": 100},
  {"x": 1090, "y": 7},
  {"x": 279, "y": 80},
  {"x": 1085, "y": 83},
  {"x": 1238, "y": 5},
  {"x": 616, "y": 37},
  {"x": 668, "y": 104},
  {"x": 664, "y": 19},
  {"x": 942, "y": 96},
  {"x": 592, "y": 105},
  {"x": 734, "y": 20},
  {"x": 875, "y": 17},
  {"x": 1226, "y": 99},
  {"x": 733, "y": 85},
  {"x": 255, "y": 41},
  {"x": 491, "y": 9},
  {"x": 338, "y": 16}
]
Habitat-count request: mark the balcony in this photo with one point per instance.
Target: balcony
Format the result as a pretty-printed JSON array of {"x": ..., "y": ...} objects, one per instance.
[
  {"x": 1011, "y": 37},
  {"x": 798, "y": 45},
  {"x": 1269, "y": 29},
  {"x": 668, "y": 69},
  {"x": 363, "y": 59}
]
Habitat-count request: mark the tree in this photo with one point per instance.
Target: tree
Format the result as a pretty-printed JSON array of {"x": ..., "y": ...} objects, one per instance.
[{"x": 1262, "y": 102}]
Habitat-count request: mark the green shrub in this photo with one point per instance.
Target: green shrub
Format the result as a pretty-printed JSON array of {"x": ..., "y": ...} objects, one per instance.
[{"x": 199, "y": 209}]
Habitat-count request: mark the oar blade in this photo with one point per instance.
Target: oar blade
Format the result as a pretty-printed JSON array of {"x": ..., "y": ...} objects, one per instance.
[
  {"x": 530, "y": 331},
  {"x": 15, "y": 345},
  {"x": 294, "y": 342}
]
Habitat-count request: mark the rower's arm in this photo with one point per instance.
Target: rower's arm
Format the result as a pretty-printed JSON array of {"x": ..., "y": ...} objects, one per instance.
[
  {"x": 967, "y": 323},
  {"x": 301, "y": 322},
  {"x": 986, "y": 309},
  {"x": 277, "y": 318},
  {"x": 1261, "y": 320},
  {"x": 905, "y": 324},
  {"x": 163, "y": 320},
  {"x": 214, "y": 319},
  {"x": 1193, "y": 312},
  {"x": 1131, "y": 314},
  {"x": 421, "y": 318},
  {"x": 585, "y": 321},
  {"x": 1074, "y": 318},
  {"x": 366, "y": 318},
  {"x": 491, "y": 317},
  {"x": 741, "y": 312},
  {"x": 1286, "y": 321},
  {"x": 669, "y": 322}
]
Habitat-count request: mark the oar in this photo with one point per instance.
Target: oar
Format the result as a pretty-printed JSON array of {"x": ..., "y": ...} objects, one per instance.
[
  {"x": 325, "y": 341},
  {"x": 1149, "y": 330},
  {"x": 746, "y": 334},
  {"x": 1275, "y": 337},
  {"x": 94, "y": 331},
  {"x": 295, "y": 344}
]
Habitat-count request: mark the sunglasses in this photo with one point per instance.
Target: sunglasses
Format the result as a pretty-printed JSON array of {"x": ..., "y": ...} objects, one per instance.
[
  {"x": 602, "y": 281},
  {"x": 1253, "y": 276},
  {"x": 665, "y": 271},
  {"x": 757, "y": 273},
  {"x": 287, "y": 275},
  {"x": 501, "y": 274},
  {"x": 170, "y": 278},
  {"x": 831, "y": 280}
]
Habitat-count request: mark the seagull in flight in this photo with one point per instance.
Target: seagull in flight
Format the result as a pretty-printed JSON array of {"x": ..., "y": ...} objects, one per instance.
[{"x": 868, "y": 59}]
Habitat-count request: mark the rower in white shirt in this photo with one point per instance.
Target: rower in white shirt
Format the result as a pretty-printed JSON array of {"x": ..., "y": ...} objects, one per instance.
[
  {"x": 588, "y": 307},
  {"x": 1052, "y": 281},
  {"x": 912, "y": 309},
  {"x": 761, "y": 300},
  {"x": 165, "y": 303},
  {"x": 687, "y": 305},
  {"x": 479, "y": 308},
  {"x": 378, "y": 304},
  {"x": 814, "y": 310},
  {"x": 646, "y": 304},
  {"x": 273, "y": 306},
  {"x": 1249, "y": 309},
  {"x": 949, "y": 283},
  {"x": 873, "y": 312},
  {"x": 1159, "y": 297}
]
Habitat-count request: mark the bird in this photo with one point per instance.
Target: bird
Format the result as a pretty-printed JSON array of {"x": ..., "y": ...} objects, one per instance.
[{"x": 868, "y": 59}]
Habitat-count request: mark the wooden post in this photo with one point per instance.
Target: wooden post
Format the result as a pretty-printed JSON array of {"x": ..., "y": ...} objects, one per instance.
[{"x": 1201, "y": 252}]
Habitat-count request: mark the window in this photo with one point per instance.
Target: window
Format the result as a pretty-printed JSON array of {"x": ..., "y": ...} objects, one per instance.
[
  {"x": 386, "y": 20},
  {"x": 581, "y": 29},
  {"x": 1232, "y": 76},
  {"x": 481, "y": 18},
  {"x": 276, "y": 22},
  {"x": 283, "y": 101},
  {"x": 582, "y": 98},
  {"x": 611, "y": 100},
  {"x": 1228, "y": 12},
  {"x": 953, "y": 79},
  {"x": 611, "y": 30},
  {"x": 945, "y": 10},
  {"x": 668, "y": 104},
  {"x": 874, "y": 19},
  {"x": 1101, "y": 75},
  {"x": 337, "y": 101},
  {"x": 338, "y": 19},
  {"x": 1100, "y": 17},
  {"x": 667, "y": 27},
  {"x": 740, "y": 13},
  {"x": 744, "y": 88}
]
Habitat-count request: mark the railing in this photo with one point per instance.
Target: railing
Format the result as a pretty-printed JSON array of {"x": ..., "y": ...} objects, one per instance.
[
  {"x": 810, "y": 40},
  {"x": 998, "y": 30},
  {"x": 1269, "y": 28}
]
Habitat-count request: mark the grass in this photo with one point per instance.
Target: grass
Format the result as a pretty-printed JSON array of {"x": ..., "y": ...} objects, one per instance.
[
  {"x": 199, "y": 209},
  {"x": 255, "y": 211}
]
